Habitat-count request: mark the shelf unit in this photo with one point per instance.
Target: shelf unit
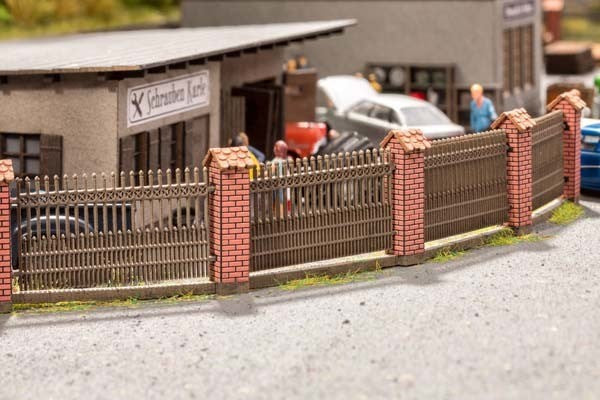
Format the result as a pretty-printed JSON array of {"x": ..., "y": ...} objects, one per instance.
[
  {"x": 463, "y": 102},
  {"x": 432, "y": 82}
]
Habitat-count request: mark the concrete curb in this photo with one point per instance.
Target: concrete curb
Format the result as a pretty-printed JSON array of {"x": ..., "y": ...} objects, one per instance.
[{"x": 117, "y": 293}]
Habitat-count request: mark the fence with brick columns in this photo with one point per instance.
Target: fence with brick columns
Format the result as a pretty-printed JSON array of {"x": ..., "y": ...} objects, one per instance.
[
  {"x": 408, "y": 193},
  {"x": 517, "y": 125},
  {"x": 571, "y": 105},
  {"x": 6, "y": 176},
  {"x": 229, "y": 216}
]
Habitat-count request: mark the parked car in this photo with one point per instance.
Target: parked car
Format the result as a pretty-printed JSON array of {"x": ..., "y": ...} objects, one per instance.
[
  {"x": 590, "y": 154},
  {"x": 75, "y": 221},
  {"x": 349, "y": 103}
]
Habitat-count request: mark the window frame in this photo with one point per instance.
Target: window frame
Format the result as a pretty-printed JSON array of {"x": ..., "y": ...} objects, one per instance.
[{"x": 22, "y": 155}]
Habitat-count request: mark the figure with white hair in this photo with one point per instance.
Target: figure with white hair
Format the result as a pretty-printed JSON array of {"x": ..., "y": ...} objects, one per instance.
[{"x": 483, "y": 112}]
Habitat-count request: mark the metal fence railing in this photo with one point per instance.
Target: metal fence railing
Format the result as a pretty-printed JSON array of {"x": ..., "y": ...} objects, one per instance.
[
  {"x": 320, "y": 208},
  {"x": 111, "y": 231},
  {"x": 465, "y": 184},
  {"x": 547, "y": 158}
]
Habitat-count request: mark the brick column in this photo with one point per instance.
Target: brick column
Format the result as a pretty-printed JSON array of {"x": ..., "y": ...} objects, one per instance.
[
  {"x": 571, "y": 105},
  {"x": 229, "y": 213},
  {"x": 518, "y": 125},
  {"x": 408, "y": 194},
  {"x": 6, "y": 176}
]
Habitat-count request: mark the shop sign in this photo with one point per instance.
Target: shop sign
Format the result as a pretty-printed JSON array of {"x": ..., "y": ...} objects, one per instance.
[
  {"x": 519, "y": 9},
  {"x": 161, "y": 99}
]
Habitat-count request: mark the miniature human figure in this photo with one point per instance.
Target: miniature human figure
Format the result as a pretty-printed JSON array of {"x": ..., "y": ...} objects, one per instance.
[
  {"x": 376, "y": 85},
  {"x": 483, "y": 112},
  {"x": 302, "y": 62},
  {"x": 291, "y": 65},
  {"x": 241, "y": 139},
  {"x": 281, "y": 156},
  {"x": 260, "y": 156}
]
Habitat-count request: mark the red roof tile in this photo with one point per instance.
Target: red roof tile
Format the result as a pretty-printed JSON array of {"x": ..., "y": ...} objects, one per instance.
[
  {"x": 229, "y": 157},
  {"x": 6, "y": 171},
  {"x": 519, "y": 117},
  {"x": 410, "y": 139},
  {"x": 573, "y": 97}
]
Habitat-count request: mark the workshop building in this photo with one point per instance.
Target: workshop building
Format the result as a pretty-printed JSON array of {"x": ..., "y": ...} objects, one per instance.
[
  {"x": 493, "y": 42},
  {"x": 138, "y": 100}
]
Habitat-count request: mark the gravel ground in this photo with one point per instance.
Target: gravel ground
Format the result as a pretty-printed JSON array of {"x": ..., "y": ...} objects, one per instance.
[{"x": 512, "y": 322}]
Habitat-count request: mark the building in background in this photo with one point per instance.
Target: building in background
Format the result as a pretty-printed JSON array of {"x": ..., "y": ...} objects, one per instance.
[
  {"x": 493, "y": 42},
  {"x": 142, "y": 100}
]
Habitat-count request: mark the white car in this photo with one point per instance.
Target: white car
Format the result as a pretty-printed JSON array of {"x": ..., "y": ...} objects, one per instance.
[{"x": 349, "y": 103}]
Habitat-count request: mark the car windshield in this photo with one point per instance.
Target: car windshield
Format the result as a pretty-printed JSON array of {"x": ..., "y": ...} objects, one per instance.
[{"x": 416, "y": 116}]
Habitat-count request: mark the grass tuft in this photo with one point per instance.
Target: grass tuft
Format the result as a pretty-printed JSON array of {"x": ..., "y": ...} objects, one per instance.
[
  {"x": 330, "y": 280},
  {"x": 447, "y": 254},
  {"x": 131, "y": 302},
  {"x": 566, "y": 213},
  {"x": 507, "y": 237}
]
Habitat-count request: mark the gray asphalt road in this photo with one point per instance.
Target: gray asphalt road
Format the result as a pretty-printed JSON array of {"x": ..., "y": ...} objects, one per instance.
[{"x": 500, "y": 323}]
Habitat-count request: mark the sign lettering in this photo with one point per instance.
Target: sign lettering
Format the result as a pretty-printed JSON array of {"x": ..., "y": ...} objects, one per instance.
[{"x": 160, "y": 99}]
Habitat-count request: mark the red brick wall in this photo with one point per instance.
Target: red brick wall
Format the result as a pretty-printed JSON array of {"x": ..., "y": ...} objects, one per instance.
[
  {"x": 5, "y": 265},
  {"x": 408, "y": 201},
  {"x": 229, "y": 211},
  {"x": 519, "y": 175},
  {"x": 571, "y": 150}
]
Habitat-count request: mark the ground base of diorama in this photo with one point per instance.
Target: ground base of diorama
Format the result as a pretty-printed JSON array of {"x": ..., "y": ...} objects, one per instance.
[
  {"x": 227, "y": 289},
  {"x": 5, "y": 308},
  {"x": 141, "y": 292}
]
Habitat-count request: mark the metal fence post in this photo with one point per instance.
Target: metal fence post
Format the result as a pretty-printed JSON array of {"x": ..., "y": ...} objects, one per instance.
[
  {"x": 518, "y": 125},
  {"x": 571, "y": 105},
  {"x": 6, "y": 177},
  {"x": 408, "y": 194},
  {"x": 229, "y": 210}
]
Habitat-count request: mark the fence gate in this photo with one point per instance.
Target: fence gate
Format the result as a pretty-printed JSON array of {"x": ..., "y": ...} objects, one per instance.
[
  {"x": 320, "y": 208},
  {"x": 547, "y": 154},
  {"x": 111, "y": 231}
]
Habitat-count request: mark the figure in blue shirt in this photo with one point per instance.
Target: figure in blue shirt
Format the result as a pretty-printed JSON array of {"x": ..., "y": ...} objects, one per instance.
[{"x": 482, "y": 110}]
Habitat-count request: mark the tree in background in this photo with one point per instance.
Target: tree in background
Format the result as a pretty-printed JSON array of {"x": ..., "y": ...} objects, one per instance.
[{"x": 40, "y": 12}]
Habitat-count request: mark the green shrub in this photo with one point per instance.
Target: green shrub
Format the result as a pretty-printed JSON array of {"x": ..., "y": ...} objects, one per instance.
[
  {"x": 5, "y": 17},
  {"x": 30, "y": 12}
]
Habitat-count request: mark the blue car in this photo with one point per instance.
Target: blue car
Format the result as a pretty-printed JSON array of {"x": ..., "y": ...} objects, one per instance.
[{"x": 590, "y": 155}]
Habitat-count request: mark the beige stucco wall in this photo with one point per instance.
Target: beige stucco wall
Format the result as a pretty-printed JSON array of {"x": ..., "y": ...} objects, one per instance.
[
  {"x": 80, "y": 108},
  {"x": 252, "y": 68}
]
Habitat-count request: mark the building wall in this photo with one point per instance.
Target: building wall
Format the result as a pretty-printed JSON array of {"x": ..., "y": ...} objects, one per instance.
[
  {"x": 252, "y": 68},
  {"x": 387, "y": 31},
  {"x": 467, "y": 33},
  {"x": 531, "y": 98},
  {"x": 80, "y": 108}
]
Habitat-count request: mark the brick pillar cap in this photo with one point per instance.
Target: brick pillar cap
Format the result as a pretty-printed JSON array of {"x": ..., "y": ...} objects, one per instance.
[
  {"x": 519, "y": 117},
  {"x": 411, "y": 140},
  {"x": 229, "y": 158},
  {"x": 573, "y": 97},
  {"x": 7, "y": 175}
]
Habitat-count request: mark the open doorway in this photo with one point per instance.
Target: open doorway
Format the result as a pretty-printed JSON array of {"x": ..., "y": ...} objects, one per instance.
[{"x": 263, "y": 113}]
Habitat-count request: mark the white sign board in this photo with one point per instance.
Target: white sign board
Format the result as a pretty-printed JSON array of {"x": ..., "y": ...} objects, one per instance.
[
  {"x": 168, "y": 97},
  {"x": 519, "y": 9}
]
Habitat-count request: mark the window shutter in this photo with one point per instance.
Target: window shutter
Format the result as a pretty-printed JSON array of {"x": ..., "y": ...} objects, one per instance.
[
  {"x": 51, "y": 155},
  {"x": 127, "y": 148},
  {"x": 154, "y": 150},
  {"x": 166, "y": 139}
]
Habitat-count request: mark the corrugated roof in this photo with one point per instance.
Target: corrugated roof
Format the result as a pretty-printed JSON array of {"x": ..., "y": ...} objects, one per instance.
[{"x": 137, "y": 50}]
